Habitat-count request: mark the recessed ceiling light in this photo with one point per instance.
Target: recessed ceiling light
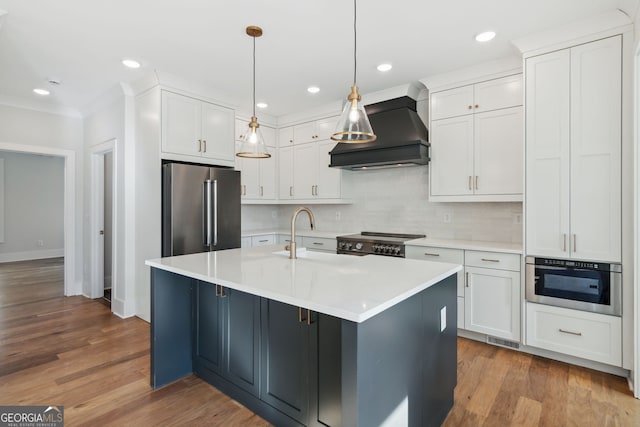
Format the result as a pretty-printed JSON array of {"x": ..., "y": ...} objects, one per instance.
[
  {"x": 131, "y": 63},
  {"x": 262, "y": 105},
  {"x": 313, "y": 89},
  {"x": 486, "y": 36},
  {"x": 42, "y": 92},
  {"x": 384, "y": 67}
]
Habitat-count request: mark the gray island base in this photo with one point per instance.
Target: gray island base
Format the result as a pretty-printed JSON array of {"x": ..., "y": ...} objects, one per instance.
[{"x": 297, "y": 367}]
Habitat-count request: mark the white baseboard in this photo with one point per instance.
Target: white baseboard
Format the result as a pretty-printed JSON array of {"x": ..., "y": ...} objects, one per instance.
[{"x": 30, "y": 255}]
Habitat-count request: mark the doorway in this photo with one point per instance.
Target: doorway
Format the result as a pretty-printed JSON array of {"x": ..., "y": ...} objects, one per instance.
[
  {"x": 103, "y": 234},
  {"x": 71, "y": 287}
]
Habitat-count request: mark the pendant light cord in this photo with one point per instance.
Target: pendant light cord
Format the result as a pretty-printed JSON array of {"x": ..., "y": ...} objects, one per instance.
[
  {"x": 355, "y": 43},
  {"x": 254, "y": 76}
]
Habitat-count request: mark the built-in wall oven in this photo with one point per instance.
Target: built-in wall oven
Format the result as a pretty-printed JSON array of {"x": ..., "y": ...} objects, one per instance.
[{"x": 580, "y": 285}]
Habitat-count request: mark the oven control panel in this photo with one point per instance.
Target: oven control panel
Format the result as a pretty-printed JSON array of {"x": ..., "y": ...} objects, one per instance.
[{"x": 370, "y": 247}]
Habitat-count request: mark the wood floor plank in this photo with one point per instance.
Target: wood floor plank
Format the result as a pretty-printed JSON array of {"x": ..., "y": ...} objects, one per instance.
[{"x": 74, "y": 352}]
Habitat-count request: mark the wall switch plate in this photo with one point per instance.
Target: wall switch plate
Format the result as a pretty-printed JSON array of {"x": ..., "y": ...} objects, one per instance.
[
  {"x": 446, "y": 218},
  {"x": 517, "y": 219},
  {"x": 274, "y": 214},
  {"x": 338, "y": 215},
  {"x": 40, "y": 243},
  {"x": 443, "y": 318}
]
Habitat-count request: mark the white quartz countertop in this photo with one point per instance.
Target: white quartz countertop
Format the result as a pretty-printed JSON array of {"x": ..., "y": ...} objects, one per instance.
[
  {"x": 354, "y": 288},
  {"x": 476, "y": 245}
]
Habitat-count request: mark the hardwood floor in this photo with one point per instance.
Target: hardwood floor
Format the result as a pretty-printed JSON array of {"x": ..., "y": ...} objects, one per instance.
[{"x": 74, "y": 352}]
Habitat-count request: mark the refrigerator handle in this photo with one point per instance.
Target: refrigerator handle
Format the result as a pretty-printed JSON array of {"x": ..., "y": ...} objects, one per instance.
[
  {"x": 207, "y": 212},
  {"x": 215, "y": 212}
]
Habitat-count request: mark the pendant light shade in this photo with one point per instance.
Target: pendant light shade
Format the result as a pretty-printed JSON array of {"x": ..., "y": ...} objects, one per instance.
[
  {"x": 253, "y": 145},
  {"x": 354, "y": 126}
]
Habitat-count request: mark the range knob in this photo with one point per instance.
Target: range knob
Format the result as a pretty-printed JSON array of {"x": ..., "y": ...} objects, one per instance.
[
  {"x": 341, "y": 245},
  {"x": 348, "y": 246},
  {"x": 396, "y": 250},
  {"x": 358, "y": 246}
]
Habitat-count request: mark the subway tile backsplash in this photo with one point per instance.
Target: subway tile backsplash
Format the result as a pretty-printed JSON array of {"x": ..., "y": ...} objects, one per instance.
[{"x": 397, "y": 201}]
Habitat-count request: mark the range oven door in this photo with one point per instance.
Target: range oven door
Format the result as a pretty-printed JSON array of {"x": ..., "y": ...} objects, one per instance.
[{"x": 587, "y": 286}]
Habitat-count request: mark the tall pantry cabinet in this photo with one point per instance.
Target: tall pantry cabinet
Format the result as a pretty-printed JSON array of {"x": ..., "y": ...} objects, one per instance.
[{"x": 573, "y": 152}]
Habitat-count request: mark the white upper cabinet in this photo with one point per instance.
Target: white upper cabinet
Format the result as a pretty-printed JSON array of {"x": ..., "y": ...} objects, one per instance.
[
  {"x": 477, "y": 142},
  {"x": 490, "y": 95},
  {"x": 195, "y": 128},
  {"x": 573, "y": 152},
  {"x": 258, "y": 176},
  {"x": 304, "y": 172}
]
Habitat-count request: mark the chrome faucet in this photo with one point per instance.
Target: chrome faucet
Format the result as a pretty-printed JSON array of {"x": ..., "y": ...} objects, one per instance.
[{"x": 292, "y": 245}]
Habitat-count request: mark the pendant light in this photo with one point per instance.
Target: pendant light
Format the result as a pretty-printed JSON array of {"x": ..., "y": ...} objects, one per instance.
[
  {"x": 354, "y": 126},
  {"x": 253, "y": 145}
]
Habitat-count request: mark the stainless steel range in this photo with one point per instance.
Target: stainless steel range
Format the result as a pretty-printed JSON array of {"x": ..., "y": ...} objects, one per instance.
[{"x": 368, "y": 242}]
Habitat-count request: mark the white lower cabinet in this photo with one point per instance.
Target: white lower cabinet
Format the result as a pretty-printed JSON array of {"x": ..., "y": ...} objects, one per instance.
[
  {"x": 319, "y": 244},
  {"x": 492, "y": 302},
  {"x": 263, "y": 240},
  {"x": 245, "y": 242},
  {"x": 431, "y": 253},
  {"x": 285, "y": 239},
  {"x": 591, "y": 336}
]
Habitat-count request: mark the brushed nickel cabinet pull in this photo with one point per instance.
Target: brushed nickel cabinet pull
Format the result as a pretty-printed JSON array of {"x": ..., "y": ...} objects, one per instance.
[
  {"x": 564, "y": 242},
  {"x": 490, "y": 260},
  {"x": 291, "y": 191},
  {"x": 318, "y": 243},
  {"x": 261, "y": 191},
  {"x": 430, "y": 254},
  {"x": 579, "y": 334},
  {"x": 470, "y": 182},
  {"x": 199, "y": 146},
  {"x": 466, "y": 279},
  {"x": 263, "y": 241},
  {"x": 476, "y": 182},
  {"x": 204, "y": 142},
  {"x": 574, "y": 243}
]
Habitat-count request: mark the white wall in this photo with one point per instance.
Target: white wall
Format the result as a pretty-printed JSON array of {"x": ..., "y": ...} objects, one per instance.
[
  {"x": 107, "y": 122},
  {"x": 35, "y": 129},
  {"x": 34, "y": 206},
  {"x": 396, "y": 200}
]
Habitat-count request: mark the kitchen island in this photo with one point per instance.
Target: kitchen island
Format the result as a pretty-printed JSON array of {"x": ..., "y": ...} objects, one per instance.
[{"x": 333, "y": 340}]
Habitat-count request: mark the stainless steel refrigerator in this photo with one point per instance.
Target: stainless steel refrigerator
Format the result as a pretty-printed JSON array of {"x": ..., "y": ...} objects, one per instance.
[{"x": 200, "y": 209}]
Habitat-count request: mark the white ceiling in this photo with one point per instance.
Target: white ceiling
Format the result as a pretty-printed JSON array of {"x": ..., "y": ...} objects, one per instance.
[{"x": 305, "y": 42}]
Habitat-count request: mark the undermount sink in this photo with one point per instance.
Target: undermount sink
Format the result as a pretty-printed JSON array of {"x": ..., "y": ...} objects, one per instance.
[{"x": 300, "y": 252}]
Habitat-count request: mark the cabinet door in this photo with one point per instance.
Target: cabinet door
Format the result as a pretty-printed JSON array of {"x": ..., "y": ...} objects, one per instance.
[
  {"x": 180, "y": 124},
  {"x": 285, "y": 173},
  {"x": 451, "y": 168},
  {"x": 492, "y": 302},
  {"x": 284, "y": 360},
  {"x": 452, "y": 103},
  {"x": 596, "y": 89},
  {"x": 267, "y": 188},
  {"x": 218, "y": 129},
  {"x": 547, "y": 154},
  {"x": 498, "y": 151},
  {"x": 269, "y": 136},
  {"x": 304, "y": 132},
  {"x": 249, "y": 177},
  {"x": 207, "y": 348},
  {"x": 498, "y": 93},
  {"x": 329, "y": 179},
  {"x": 241, "y": 127},
  {"x": 326, "y": 127},
  {"x": 305, "y": 171},
  {"x": 285, "y": 136},
  {"x": 242, "y": 339}
]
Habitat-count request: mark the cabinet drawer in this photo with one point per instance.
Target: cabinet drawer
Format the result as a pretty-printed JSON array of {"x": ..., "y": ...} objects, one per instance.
[
  {"x": 499, "y": 261},
  {"x": 591, "y": 336},
  {"x": 319, "y": 244},
  {"x": 429, "y": 253},
  {"x": 285, "y": 239},
  {"x": 263, "y": 239},
  {"x": 245, "y": 242}
]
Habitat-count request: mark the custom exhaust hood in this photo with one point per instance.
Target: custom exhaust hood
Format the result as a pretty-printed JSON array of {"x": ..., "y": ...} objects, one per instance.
[{"x": 402, "y": 139}]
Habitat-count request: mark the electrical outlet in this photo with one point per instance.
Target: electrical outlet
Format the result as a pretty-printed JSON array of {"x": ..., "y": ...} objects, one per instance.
[
  {"x": 446, "y": 218},
  {"x": 40, "y": 243},
  {"x": 274, "y": 214},
  {"x": 517, "y": 219},
  {"x": 338, "y": 215}
]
